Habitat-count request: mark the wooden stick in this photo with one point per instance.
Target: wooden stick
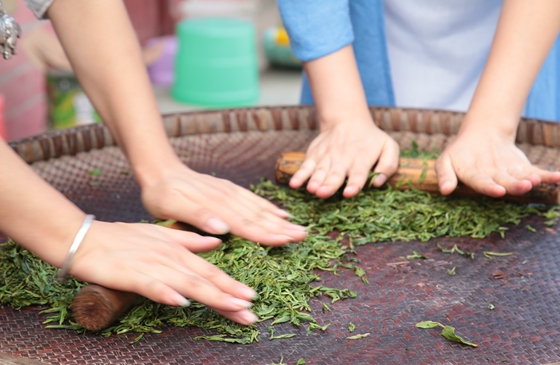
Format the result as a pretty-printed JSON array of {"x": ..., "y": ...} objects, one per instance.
[
  {"x": 96, "y": 307},
  {"x": 421, "y": 174}
]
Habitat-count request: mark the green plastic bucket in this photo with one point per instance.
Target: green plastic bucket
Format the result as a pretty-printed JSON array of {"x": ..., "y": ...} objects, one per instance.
[{"x": 216, "y": 63}]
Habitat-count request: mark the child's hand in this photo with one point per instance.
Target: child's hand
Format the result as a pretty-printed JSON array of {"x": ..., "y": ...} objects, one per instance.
[
  {"x": 347, "y": 150},
  {"x": 217, "y": 206},
  {"x": 159, "y": 263},
  {"x": 490, "y": 164}
]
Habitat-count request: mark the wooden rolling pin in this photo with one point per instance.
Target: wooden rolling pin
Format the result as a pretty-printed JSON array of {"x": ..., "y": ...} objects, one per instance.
[
  {"x": 421, "y": 174},
  {"x": 96, "y": 307}
]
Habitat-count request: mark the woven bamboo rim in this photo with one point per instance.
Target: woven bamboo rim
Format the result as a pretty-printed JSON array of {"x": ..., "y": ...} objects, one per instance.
[{"x": 71, "y": 141}]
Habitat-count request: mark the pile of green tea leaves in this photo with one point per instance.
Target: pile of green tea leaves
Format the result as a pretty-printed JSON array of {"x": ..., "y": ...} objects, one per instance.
[{"x": 285, "y": 277}]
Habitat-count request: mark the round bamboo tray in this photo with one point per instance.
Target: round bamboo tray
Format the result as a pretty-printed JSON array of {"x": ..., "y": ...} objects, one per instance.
[{"x": 242, "y": 145}]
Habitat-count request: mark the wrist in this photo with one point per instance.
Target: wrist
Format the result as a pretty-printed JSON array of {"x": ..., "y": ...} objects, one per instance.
[
  {"x": 345, "y": 116},
  {"x": 490, "y": 123},
  {"x": 149, "y": 172}
]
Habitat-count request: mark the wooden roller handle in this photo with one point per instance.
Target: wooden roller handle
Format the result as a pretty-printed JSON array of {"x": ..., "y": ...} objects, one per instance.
[
  {"x": 421, "y": 174},
  {"x": 96, "y": 307}
]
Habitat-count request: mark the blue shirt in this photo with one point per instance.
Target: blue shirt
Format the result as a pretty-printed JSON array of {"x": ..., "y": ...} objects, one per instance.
[{"x": 318, "y": 28}]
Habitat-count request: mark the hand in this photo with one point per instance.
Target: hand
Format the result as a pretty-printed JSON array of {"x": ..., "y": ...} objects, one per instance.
[
  {"x": 160, "y": 264},
  {"x": 489, "y": 163},
  {"x": 347, "y": 150},
  {"x": 217, "y": 206}
]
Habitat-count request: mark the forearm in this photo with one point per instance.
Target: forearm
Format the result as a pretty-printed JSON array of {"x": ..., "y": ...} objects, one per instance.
[
  {"x": 102, "y": 47},
  {"x": 33, "y": 213},
  {"x": 337, "y": 88},
  {"x": 525, "y": 34}
]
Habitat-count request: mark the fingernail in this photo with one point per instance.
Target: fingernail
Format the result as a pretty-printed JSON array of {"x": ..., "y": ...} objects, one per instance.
[
  {"x": 217, "y": 226},
  {"x": 249, "y": 316},
  {"x": 379, "y": 180},
  {"x": 349, "y": 190},
  {"x": 285, "y": 238},
  {"x": 248, "y": 293},
  {"x": 211, "y": 239},
  {"x": 299, "y": 228},
  {"x": 181, "y": 300},
  {"x": 282, "y": 213},
  {"x": 240, "y": 303},
  {"x": 447, "y": 185}
]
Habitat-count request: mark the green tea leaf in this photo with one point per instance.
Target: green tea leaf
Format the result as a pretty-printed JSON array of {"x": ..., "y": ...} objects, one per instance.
[
  {"x": 95, "y": 172},
  {"x": 428, "y": 324},
  {"x": 357, "y": 337},
  {"x": 351, "y": 327},
  {"x": 489, "y": 254},
  {"x": 449, "y": 333}
]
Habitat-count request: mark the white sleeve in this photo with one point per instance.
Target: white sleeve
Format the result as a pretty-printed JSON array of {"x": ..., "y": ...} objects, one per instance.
[{"x": 38, "y": 7}]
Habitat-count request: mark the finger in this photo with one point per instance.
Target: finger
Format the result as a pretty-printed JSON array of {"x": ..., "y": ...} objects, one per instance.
[
  {"x": 447, "y": 179},
  {"x": 303, "y": 173},
  {"x": 181, "y": 207},
  {"x": 334, "y": 178},
  {"x": 511, "y": 184},
  {"x": 191, "y": 285},
  {"x": 547, "y": 177},
  {"x": 484, "y": 184},
  {"x": 388, "y": 162},
  {"x": 266, "y": 229},
  {"x": 192, "y": 241},
  {"x": 524, "y": 172},
  {"x": 319, "y": 175},
  {"x": 217, "y": 277},
  {"x": 245, "y": 316},
  {"x": 254, "y": 218},
  {"x": 357, "y": 177}
]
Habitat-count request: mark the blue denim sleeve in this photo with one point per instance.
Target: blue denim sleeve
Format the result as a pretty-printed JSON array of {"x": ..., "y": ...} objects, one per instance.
[{"x": 316, "y": 27}]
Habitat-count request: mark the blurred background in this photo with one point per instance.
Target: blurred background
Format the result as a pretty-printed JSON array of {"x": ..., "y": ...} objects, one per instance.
[{"x": 39, "y": 92}]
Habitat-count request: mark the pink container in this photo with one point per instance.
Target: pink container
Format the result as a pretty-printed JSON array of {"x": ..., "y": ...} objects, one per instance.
[{"x": 161, "y": 70}]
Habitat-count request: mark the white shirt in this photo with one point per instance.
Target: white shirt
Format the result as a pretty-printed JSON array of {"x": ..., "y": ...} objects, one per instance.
[{"x": 437, "y": 49}]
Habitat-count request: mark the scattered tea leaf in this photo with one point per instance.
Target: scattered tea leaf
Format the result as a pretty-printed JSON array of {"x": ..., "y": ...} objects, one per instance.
[
  {"x": 95, "y": 172},
  {"x": 416, "y": 255},
  {"x": 357, "y": 337},
  {"x": 301, "y": 362},
  {"x": 428, "y": 324},
  {"x": 451, "y": 272},
  {"x": 529, "y": 228},
  {"x": 351, "y": 327},
  {"x": 489, "y": 254},
  {"x": 491, "y": 307},
  {"x": 449, "y": 333}
]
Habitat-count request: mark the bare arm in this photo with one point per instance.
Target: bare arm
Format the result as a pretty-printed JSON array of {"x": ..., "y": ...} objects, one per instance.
[
  {"x": 349, "y": 143},
  {"x": 153, "y": 261},
  {"x": 484, "y": 155},
  {"x": 105, "y": 54}
]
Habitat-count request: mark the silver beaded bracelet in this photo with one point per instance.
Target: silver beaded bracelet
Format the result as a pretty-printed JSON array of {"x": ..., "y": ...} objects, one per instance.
[{"x": 65, "y": 268}]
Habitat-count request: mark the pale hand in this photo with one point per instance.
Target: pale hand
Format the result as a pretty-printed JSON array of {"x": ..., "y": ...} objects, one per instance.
[
  {"x": 347, "y": 150},
  {"x": 218, "y": 206},
  {"x": 160, "y": 263},
  {"x": 490, "y": 164}
]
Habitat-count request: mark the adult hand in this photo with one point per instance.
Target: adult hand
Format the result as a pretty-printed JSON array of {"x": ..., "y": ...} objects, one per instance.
[
  {"x": 347, "y": 150},
  {"x": 160, "y": 264},
  {"x": 217, "y": 206},
  {"x": 490, "y": 164}
]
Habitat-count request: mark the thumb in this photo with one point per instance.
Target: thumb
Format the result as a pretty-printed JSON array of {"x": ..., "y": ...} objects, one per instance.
[{"x": 447, "y": 179}]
